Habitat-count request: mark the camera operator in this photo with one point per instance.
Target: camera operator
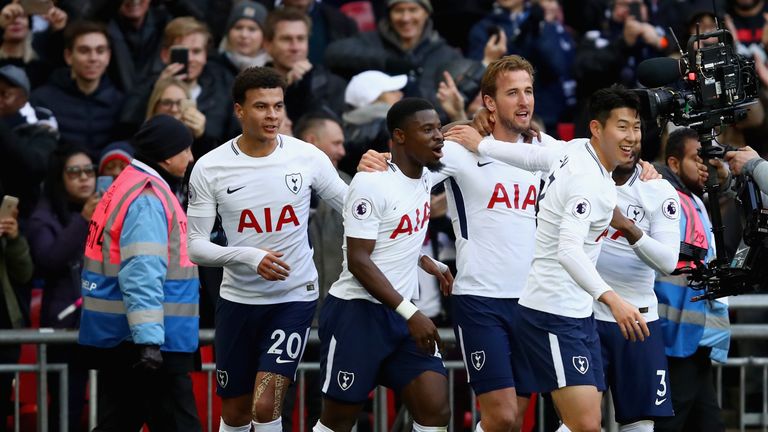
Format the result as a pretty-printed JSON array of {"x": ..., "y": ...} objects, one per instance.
[
  {"x": 695, "y": 333},
  {"x": 747, "y": 161}
]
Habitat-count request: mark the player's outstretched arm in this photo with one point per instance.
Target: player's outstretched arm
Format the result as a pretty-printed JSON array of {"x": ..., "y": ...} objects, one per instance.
[
  {"x": 203, "y": 252},
  {"x": 521, "y": 155},
  {"x": 359, "y": 262}
]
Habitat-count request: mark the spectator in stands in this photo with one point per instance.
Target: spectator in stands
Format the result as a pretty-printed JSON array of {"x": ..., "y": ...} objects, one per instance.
[
  {"x": 114, "y": 158},
  {"x": 209, "y": 84},
  {"x": 746, "y": 20},
  {"x": 171, "y": 96},
  {"x": 405, "y": 43},
  {"x": 16, "y": 271},
  {"x": 38, "y": 53},
  {"x": 57, "y": 231},
  {"x": 135, "y": 33},
  {"x": 84, "y": 100},
  {"x": 328, "y": 24},
  {"x": 242, "y": 45},
  {"x": 34, "y": 137},
  {"x": 370, "y": 94},
  {"x": 310, "y": 86},
  {"x": 534, "y": 31},
  {"x": 611, "y": 55}
]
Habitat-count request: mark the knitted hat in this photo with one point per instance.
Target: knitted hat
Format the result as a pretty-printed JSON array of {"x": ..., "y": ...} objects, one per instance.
[
  {"x": 247, "y": 10},
  {"x": 16, "y": 76},
  {"x": 120, "y": 150},
  {"x": 423, "y": 3},
  {"x": 160, "y": 138}
]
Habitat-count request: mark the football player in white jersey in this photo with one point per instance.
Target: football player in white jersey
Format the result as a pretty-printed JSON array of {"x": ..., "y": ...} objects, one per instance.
[
  {"x": 260, "y": 184},
  {"x": 370, "y": 332}
]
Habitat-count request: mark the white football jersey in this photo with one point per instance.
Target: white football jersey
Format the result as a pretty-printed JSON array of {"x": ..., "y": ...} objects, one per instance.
[
  {"x": 264, "y": 203},
  {"x": 654, "y": 207},
  {"x": 493, "y": 211},
  {"x": 580, "y": 190},
  {"x": 392, "y": 209}
]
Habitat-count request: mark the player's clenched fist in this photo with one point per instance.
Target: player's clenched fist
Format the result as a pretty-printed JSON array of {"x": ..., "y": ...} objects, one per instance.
[
  {"x": 272, "y": 267},
  {"x": 424, "y": 332}
]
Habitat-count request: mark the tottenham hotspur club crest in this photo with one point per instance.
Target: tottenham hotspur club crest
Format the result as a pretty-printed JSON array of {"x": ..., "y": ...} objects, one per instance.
[
  {"x": 345, "y": 379},
  {"x": 478, "y": 359},
  {"x": 222, "y": 377},
  {"x": 581, "y": 364},
  {"x": 293, "y": 181}
]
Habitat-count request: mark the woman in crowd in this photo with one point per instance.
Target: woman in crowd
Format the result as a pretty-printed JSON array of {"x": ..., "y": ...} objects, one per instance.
[
  {"x": 58, "y": 228},
  {"x": 242, "y": 45}
]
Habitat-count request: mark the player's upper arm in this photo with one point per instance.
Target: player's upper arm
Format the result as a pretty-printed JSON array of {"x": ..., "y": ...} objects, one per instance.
[
  {"x": 202, "y": 200},
  {"x": 327, "y": 182}
]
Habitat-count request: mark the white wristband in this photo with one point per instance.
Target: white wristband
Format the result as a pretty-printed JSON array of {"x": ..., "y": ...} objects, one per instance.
[{"x": 406, "y": 309}]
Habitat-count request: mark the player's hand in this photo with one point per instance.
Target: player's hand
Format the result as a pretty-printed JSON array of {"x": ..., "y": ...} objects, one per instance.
[
  {"x": 737, "y": 159},
  {"x": 272, "y": 268},
  {"x": 534, "y": 131},
  {"x": 465, "y": 135},
  {"x": 424, "y": 332},
  {"x": 373, "y": 161},
  {"x": 483, "y": 121},
  {"x": 631, "y": 322},
  {"x": 297, "y": 72},
  {"x": 648, "y": 171},
  {"x": 440, "y": 271}
]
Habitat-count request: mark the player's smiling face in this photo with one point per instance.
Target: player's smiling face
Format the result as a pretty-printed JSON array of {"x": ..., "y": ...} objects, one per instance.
[
  {"x": 423, "y": 140},
  {"x": 619, "y": 137},
  {"x": 261, "y": 113},
  {"x": 513, "y": 104}
]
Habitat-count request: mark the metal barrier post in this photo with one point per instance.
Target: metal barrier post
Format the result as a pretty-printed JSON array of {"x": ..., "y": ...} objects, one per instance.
[
  {"x": 42, "y": 389},
  {"x": 93, "y": 390}
]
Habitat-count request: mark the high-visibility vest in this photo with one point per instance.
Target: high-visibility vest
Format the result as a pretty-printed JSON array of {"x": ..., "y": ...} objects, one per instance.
[
  {"x": 686, "y": 325},
  {"x": 104, "y": 321}
]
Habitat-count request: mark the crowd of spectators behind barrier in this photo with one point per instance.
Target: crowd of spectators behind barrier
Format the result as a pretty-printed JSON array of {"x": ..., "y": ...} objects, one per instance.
[{"x": 77, "y": 82}]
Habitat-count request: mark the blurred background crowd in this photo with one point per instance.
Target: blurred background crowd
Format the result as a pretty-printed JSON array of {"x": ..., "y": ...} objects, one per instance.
[{"x": 78, "y": 77}]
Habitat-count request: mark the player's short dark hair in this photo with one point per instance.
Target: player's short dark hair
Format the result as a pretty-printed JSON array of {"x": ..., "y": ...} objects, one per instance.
[
  {"x": 312, "y": 120},
  {"x": 605, "y": 100},
  {"x": 284, "y": 14},
  {"x": 403, "y": 109},
  {"x": 80, "y": 28},
  {"x": 676, "y": 143},
  {"x": 255, "y": 78}
]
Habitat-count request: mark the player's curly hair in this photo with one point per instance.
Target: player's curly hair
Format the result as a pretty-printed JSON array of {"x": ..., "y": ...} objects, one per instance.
[
  {"x": 255, "y": 78},
  {"x": 403, "y": 109}
]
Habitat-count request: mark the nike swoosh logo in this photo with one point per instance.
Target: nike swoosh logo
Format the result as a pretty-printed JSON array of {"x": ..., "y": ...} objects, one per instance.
[
  {"x": 483, "y": 164},
  {"x": 659, "y": 402},
  {"x": 230, "y": 190},
  {"x": 279, "y": 360}
]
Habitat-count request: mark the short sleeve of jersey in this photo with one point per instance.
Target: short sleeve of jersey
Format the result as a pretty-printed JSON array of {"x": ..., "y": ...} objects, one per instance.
[
  {"x": 327, "y": 181},
  {"x": 202, "y": 202},
  {"x": 363, "y": 207},
  {"x": 583, "y": 200}
]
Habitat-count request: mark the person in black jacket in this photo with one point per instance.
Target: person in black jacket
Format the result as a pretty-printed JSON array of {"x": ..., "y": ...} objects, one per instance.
[
  {"x": 85, "y": 102},
  {"x": 328, "y": 24},
  {"x": 310, "y": 86},
  {"x": 405, "y": 43}
]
